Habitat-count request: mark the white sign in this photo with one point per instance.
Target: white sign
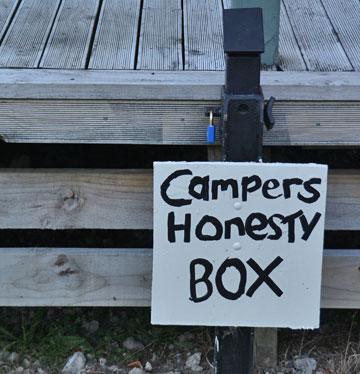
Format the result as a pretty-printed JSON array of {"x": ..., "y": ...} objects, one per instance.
[{"x": 238, "y": 244}]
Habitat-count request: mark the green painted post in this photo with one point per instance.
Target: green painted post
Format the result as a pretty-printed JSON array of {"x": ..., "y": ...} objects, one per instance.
[{"x": 271, "y": 14}]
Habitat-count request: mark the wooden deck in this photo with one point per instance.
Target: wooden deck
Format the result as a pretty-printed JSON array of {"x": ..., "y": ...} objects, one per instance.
[{"x": 315, "y": 35}]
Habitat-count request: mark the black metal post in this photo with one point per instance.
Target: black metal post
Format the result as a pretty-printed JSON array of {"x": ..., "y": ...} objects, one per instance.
[{"x": 242, "y": 129}]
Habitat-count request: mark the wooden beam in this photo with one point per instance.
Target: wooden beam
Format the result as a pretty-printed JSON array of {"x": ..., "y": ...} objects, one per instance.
[
  {"x": 122, "y": 199},
  {"x": 168, "y": 122},
  {"x": 170, "y": 85},
  {"x": 122, "y": 277}
]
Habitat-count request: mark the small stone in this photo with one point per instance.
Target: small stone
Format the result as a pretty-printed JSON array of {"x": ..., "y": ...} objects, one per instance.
[
  {"x": 133, "y": 345},
  {"x": 75, "y": 364},
  {"x": 305, "y": 365},
  {"x": 4, "y": 355},
  {"x": 148, "y": 367},
  {"x": 92, "y": 326},
  {"x": 26, "y": 363},
  {"x": 136, "y": 371},
  {"x": 13, "y": 357},
  {"x": 36, "y": 364},
  {"x": 20, "y": 369},
  {"x": 193, "y": 362},
  {"x": 185, "y": 337},
  {"x": 102, "y": 362},
  {"x": 113, "y": 369}
]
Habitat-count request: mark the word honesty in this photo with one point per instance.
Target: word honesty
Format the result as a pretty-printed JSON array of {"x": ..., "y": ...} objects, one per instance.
[{"x": 238, "y": 243}]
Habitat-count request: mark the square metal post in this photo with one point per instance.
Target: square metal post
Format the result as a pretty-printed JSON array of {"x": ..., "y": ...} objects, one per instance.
[
  {"x": 271, "y": 12},
  {"x": 242, "y": 128}
]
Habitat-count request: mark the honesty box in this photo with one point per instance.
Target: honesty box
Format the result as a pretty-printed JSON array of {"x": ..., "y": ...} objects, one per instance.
[{"x": 238, "y": 244}]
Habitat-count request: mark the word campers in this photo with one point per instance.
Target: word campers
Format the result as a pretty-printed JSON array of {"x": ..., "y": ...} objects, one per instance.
[{"x": 256, "y": 225}]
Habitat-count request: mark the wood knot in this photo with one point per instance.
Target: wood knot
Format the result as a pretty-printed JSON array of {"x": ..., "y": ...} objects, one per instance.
[
  {"x": 67, "y": 271},
  {"x": 71, "y": 200},
  {"x": 61, "y": 260}
]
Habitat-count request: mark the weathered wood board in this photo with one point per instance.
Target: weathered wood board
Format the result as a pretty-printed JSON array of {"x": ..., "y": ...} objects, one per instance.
[
  {"x": 65, "y": 199},
  {"x": 116, "y": 35},
  {"x": 319, "y": 45},
  {"x": 203, "y": 35},
  {"x": 290, "y": 57},
  {"x": 25, "y": 40},
  {"x": 168, "y": 122},
  {"x": 122, "y": 277},
  {"x": 122, "y": 199},
  {"x": 170, "y": 85},
  {"x": 74, "y": 277},
  {"x": 69, "y": 41},
  {"x": 160, "y": 43},
  {"x": 345, "y": 17},
  {"x": 7, "y": 10}
]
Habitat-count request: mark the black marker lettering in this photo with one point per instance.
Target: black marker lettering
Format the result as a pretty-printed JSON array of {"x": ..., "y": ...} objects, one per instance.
[
  {"x": 251, "y": 227},
  {"x": 172, "y": 227},
  {"x": 309, "y": 227},
  {"x": 203, "y": 182},
  {"x": 237, "y": 222},
  {"x": 309, "y": 188},
  {"x": 264, "y": 276},
  {"x": 246, "y": 182},
  {"x": 277, "y": 230},
  {"x": 290, "y": 220},
  {"x": 287, "y": 183},
  {"x": 240, "y": 267},
  {"x": 209, "y": 220},
  {"x": 224, "y": 185},
  {"x": 269, "y": 185},
  {"x": 204, "y": 279},
  {"x": 166, "y": 184}
]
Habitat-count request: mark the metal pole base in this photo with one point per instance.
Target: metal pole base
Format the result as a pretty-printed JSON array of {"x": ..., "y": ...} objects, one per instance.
[{"x": 233, "y": 350}]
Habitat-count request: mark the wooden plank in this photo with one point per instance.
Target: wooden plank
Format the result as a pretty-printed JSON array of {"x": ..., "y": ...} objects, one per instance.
[
  {"x": 70, "y": 37},
  {"x": 116, "y": 35},
  {"x": 75, "y": 277},
  {"x": 344, "y": 16},
  {"x": 122, "y": 199},
  {"x": 343, "y": 207},
  {"x": 122, "y": 277},
  {"x": 168, "y": 122},
  {"x": 341, "y": 279},
  {"x": 320, "y": 47},
  {"x": 170, "y": 85},
  {"x": 160, "y": 45},
  {"x": 203, "y": 35},
  {"x": 7, "y": 10},
  {"x": 68, "y": 199},
  {"x": 290, "y": 57},
  {"x": 26, "y": 38}
]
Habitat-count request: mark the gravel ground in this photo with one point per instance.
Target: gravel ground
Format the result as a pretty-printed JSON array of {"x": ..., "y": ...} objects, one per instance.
[{"x": 109, "y": 340}]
